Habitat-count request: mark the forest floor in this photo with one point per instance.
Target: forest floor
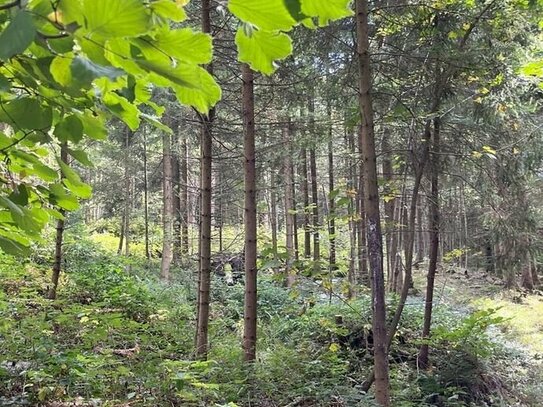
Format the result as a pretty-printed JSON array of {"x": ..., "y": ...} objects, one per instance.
[
  {"x": 520, "y": 331},
  {"x": 118, "y": 337}
]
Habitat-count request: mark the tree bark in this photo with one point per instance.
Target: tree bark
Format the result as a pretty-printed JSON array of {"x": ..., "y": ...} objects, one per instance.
[
  {"x": 167, "y": 215},
  {"x": 184, "y": 198},
  {"x": 250, "y": 220},
  {"x": 127, "y": 194},
  {"x": 57, "y": 264},
  {"x": 294, "y": 215},
  {"x": 177, "y": 251},
  {"x": 314, "y": 189},
  {"x": 146, "y": 197},
  {"x": 434, "y": 222},
  {"x": 204, "y": 280},
  {"x": 305, "y": 193},
  {"x": 331, "y": 200},
  {"x": 371, "y": 200},
  {"x": 290, "y": 224},
  {"x": 390, "y": 202},
  {"x": 315, "y": 210},
  {"x": 273, "y": 210}
]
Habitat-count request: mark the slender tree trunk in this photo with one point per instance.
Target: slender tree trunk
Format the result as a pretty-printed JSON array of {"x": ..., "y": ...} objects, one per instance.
[
  {"x": 146, "y": 197},
  {"x": 204, "y": 280},
  {"x": 331, "y": 203},
  {"x": 371, "y": 200},
  {"x": 177, "y": 251},
  {"x": 250, "y": 221},
  {"x": 167, "y": 214},
  {"x": 390, "y": 201},
  {"x": 354, "y": 210},
  {"x": 360, "y": 225},
  {"x": 127, "y": 195},
  {"x": 273, "y": 211},
  {"x": 420, "y": 232},
  {"x": 290, "y": 224},
  {"x": 185, "y": 204},
  {"x": 434, "y": 222},
  {"x": 314, "y": 188},
  {"x": 121, "y": 237},
  {"x": 294, "y": 215},
  {"x": 315, "y": 209},
  {"x": 57, "y": 264},
  {"x": 305, "y": 192}
]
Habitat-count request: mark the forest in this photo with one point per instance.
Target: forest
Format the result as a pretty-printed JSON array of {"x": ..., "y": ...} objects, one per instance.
[{"x": 271, "y": 203}]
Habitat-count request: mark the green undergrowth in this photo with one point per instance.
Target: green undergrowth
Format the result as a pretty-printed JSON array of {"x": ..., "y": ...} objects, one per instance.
[{"x": 118, "y": 336}]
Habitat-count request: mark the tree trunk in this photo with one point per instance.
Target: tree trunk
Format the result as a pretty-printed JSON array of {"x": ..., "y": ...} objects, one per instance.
[
  {"x": 177, "y": 251},
  {"x": 305, "y": 193},
  {"x": 331, "y": 202},
  {"x": 390, "y": 201},
  {"x": 273, "y": 211},
  {"x": 420, "y": 233},
  {"x": 127, "y": 195},
  {"x": 184, "y": 198},
  {"x": 204, "y": 280},
  {"x": 290, "y": 224},
  {"x": 167, "y": 215},
  {"x": 57, "y": 264},
  {"x": 363, "y": 276},
  {"x": 371, "y": 200},
  {"x": 314, "y": 189},
  {"x": 315, "y": 210},
  {"x": 294, "y": 215},
  {"x": 250, "y": 221},
  {"x": 146, "y": 197},
  {"x": 353, "y": 209},
  {"x": 434, "y": 222}
]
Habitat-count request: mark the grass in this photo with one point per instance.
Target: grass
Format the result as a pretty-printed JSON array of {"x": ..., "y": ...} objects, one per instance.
[{"x": 524, "y": 317}]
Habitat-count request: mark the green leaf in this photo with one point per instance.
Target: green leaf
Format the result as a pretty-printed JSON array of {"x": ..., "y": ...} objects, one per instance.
[
  {"x": 18, "y": 35},
  {"x": 115, "y": 18},
  {"x": 20, "y": 195},
  {"x": 73, "y": 182},
  {"x": 184, "y": 44},
  {"x": 262, "y": 48},
  {"x": 22, "y": 217},
  {"x": 69, "y": 129},
  {"x": 79, "y": 189},
  {"x": 295, "y": 9},
  {"x": 156, "y": 123},
  {"x": 12, "y": 247},
  {"x": 5, "y": 84},
  {"x": 58, "y": 196},
  {"x": 84, "y": 71},
  {"x": 93, "y": 126},
  {"x": 177, "y": 75},
  {"x": 81, "y": 156},
  {"x": 533, "y": 69},
  {"x": 202, "y": 93},
  {"x": 169, "y": 9},
  {"x": 327, "y": 10},
  {"x": 61, "y": 71},
  {"x": 26, "y": 113},
  {"x": 44, "y": 172},
  {"x": 267, "y": 15},
  {"x": 123, "y": 109}
]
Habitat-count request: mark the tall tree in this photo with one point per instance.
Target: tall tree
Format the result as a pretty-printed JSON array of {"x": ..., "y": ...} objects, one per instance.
[
  {"x": 250, "y": 220},
  {"x": 434, "y": 223},
  {"x": 168, "y": 208},
  {"x": 206, "y": 150},
  {"x": 290, "y": 221},
  {"x": 371, "y": 203},
  {"x": 57, "y": 264}
]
